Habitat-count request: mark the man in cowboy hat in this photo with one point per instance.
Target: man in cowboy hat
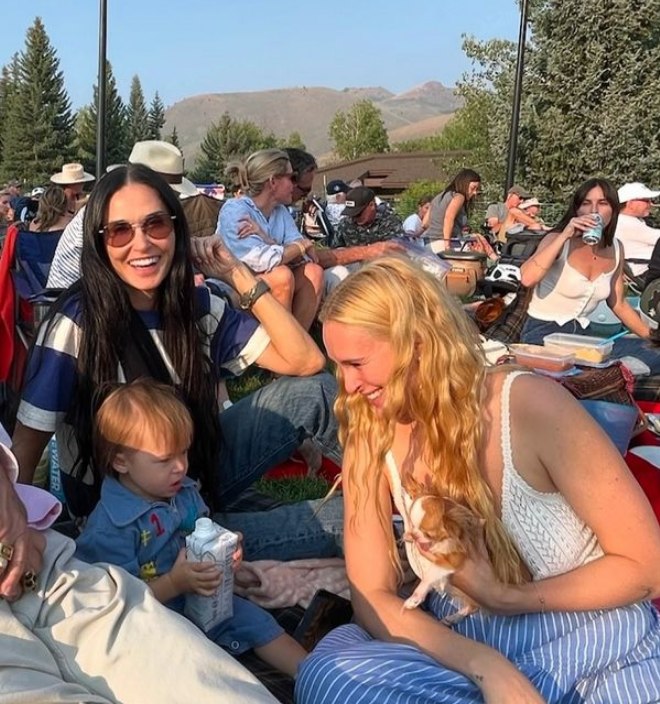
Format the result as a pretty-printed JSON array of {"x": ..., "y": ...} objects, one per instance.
[
  {"x": 72, "y": 178},
  {"x": 160, "y": 156}
]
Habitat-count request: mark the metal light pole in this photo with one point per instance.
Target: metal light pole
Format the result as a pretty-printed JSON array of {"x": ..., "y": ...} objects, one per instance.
[
  {"x": 101, "y": 93},
  {"x": 517, "y": 95}
]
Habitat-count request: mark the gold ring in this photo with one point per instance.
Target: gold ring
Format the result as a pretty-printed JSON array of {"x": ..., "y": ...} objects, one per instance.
[
  {"x": 6, "y": 551},
  {"x": 3, "y": 563},
  {"x": 29, "y": 581}
]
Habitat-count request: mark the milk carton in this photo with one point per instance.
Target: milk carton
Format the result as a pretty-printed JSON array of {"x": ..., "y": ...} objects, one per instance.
[{"x": 211, "y": 543}]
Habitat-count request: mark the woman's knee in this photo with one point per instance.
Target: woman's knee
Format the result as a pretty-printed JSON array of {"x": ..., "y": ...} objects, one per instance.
[{"x": 281, "y": 282}]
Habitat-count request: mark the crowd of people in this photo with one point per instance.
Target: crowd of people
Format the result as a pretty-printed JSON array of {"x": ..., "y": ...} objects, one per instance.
[{"x": 126, "y": 372}]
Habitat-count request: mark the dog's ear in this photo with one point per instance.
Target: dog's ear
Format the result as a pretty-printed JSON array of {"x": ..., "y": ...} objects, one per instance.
[{"x": 465, "y": 523}]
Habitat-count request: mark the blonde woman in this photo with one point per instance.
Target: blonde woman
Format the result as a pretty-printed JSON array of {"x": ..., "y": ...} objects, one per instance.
[
  {"x": 571, "y": 545},
  {"x": 260, "y": 231}
]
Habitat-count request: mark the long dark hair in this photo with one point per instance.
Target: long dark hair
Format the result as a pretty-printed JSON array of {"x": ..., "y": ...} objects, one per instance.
[
  {"x": 460, "y": 184},
  {"x": 578, "y": 198},
  {"x": 105, "y": 315}
]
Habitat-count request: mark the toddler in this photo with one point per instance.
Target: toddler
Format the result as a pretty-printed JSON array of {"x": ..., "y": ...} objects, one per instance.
[{"x": 148, "y": 506}]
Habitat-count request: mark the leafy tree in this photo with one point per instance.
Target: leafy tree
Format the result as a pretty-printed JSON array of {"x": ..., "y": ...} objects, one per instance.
[
  {"x": 174, "y": 137},
  {"x": 38, "y": 127},
  {"x": 225, "y": 141},
  {"x": 8, "y": 89},
  {"x": 293, "y": 140},
  {"x": 358, "y": 131},
  {"x": 592, "y": 94},
  {"x": 407, "y": 202},
  {"x": 116, "y": 135},
  {"x": 156, "y": 118},
  {"x": 136, "y": 114}
]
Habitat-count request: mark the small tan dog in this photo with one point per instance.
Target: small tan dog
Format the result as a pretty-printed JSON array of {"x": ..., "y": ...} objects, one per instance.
[{"x": 447, "y": 533}]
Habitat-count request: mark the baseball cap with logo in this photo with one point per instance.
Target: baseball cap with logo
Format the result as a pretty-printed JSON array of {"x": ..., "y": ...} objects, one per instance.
[
  {"x": 337, "y": 186},
  {"x": 357, "y": 199},
  {"x": 636, "y": 191}
]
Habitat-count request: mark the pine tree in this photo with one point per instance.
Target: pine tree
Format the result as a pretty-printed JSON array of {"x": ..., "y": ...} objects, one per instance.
[
  {"x": 174, "y": 138},
  {"x": 8, "y": 84},
  {"x": 225, "y": 141},
  {"x": 156, "y": 118},
  {"x": 136, "y": 114},
  {"x": 38, "y": 128},
  {"x": 116, "y": 136}
]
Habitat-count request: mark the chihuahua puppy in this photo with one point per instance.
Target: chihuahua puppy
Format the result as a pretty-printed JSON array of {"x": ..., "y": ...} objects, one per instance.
[{"x": 447, "y": 533}]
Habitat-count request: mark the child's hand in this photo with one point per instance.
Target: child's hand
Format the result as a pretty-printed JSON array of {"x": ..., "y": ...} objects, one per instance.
[
  {"x": 199, "y": 577},
  {"x": 237, "y": 557}
]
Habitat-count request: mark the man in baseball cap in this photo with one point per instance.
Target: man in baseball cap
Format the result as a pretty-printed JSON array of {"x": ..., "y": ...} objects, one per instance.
[
  {"x": 497, "y": 212},
  {"x": 637, "y": 237}
]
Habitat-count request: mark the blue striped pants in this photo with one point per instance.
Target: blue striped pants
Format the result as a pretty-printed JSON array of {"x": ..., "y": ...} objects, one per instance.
[{"x": 595, "y": 657}]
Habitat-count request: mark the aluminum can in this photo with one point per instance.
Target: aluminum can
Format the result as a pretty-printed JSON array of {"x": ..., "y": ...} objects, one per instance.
[{"x": 594, "y": 234}]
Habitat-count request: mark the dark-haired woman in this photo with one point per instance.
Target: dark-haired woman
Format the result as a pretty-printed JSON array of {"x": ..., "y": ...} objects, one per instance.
[
  {"x": 135, "y": 312},
  {"x": 447, "y": 219},
  {"x": 570, "y": 277}
]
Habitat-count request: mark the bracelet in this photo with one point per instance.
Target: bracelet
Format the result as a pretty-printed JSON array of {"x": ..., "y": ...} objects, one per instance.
[
  {"x": 247, "y": 300},
  {"x": 301, "y": 247},
  {"x": 539, "y": 596}
]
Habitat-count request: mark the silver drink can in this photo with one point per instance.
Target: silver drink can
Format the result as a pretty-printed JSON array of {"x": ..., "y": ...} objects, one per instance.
[{"x": 594, "y": 234}]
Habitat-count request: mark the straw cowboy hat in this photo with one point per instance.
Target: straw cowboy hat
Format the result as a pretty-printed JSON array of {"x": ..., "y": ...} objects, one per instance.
[
  {"x": 167, "y": 160},
  {"x": 70, "y": 174}
]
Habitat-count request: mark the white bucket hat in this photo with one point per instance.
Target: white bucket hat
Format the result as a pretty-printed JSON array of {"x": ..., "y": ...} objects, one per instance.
[
  {"x": 167, "y": 160},
  {"x": 70, "y": 174}
]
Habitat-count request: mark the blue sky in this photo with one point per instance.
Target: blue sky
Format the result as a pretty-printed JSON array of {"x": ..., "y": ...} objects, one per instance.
[{"x": 186, "y": 48}]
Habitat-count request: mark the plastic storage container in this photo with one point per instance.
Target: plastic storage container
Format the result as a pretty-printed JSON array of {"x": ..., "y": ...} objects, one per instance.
[
  {"x": 540, "y": 357},
  {"x": 592, "y": 350}
]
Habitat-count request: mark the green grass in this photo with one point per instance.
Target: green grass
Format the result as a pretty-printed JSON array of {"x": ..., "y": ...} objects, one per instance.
[{"x": 292, "y": 489}]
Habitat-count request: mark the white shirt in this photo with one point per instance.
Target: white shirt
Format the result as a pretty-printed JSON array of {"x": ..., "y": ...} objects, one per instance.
[
  {"x": 412, "y": 225},
  {"x": 638, "y": 240}
]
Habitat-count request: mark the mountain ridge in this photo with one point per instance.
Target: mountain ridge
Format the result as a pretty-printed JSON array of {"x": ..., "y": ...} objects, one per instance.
[{"x": 309, "y": 110}]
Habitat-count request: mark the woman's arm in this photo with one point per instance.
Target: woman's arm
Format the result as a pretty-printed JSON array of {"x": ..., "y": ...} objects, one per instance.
[
  {"x": 453, "y": 208},
  {"x": 536, "y": 267},
  {"x": 380, "y": 611},
  {"x": 558, "y": 446},
  {"x": 291, "y": 350},
  {"x": 620, "y": 306},
  {"x": 28, "y": 446}
]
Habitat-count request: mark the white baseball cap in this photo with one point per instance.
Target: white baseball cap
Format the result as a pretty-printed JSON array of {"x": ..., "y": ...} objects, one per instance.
[{"x": 636, "y": 191}]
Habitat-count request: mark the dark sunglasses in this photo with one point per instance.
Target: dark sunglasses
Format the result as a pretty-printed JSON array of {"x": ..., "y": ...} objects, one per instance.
[{"x": 156, "y": 226}]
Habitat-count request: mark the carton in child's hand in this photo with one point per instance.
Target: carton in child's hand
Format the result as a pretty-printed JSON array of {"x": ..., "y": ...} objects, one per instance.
[{"x": 211, "y": 543}]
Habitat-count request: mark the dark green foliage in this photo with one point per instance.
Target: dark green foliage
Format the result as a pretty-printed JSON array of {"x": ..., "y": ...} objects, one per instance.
[
  {"x": 358, "y": 132},
  {"x": 137, "y": 125},
  {"x": 592, "y": 94},
  {"x": 116, "y": 139},
  {"x": 174, "y": 137},
  {"x": 226, "y": 141},
  {"x": 156, "y": 118},
  {"x": 407, "y": 202},
  {"x": 37, "y": 125}
]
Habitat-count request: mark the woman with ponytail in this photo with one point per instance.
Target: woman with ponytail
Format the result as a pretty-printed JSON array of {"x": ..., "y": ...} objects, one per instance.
[
  {"x": 570, "y": 547},
  {"x": 261, "y": 232}
]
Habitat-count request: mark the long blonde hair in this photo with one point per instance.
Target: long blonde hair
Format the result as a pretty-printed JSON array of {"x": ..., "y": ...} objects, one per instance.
[{"x": 394, "y": 300}]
